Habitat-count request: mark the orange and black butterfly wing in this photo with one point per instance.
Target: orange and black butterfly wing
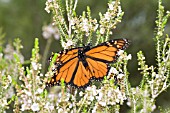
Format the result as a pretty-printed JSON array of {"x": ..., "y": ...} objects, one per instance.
[
  {"x": 101, "y": 55},
  {"x": 70, "y": 69},
  {"x": 81, "y": 77},
  {"x": 65, "y": 65}
]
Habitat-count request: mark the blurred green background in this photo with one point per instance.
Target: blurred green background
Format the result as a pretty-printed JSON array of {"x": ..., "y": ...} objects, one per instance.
[{"x": 25, "y": 18}]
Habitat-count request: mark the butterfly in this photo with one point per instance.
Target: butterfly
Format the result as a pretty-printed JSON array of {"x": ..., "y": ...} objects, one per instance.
[{"x": 78, "y": 66}]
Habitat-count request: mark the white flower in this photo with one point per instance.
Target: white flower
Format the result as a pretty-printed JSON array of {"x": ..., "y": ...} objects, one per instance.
[
  {"x": 9, "y": 78},
  {"x": 57, "y": 36},
  {"x": 102, "y": 103},
  {"x": 71, "y": 106},
  {"x": 39, "y": 90},
  {"x": 120, "y": 76},
  {"x": 100, "y": 96},
  {"x": 91, "y": 98},
  {"x": 28, "y": 93},
  {"x": 4, "y": 102},
  {"x": 23, "y": 107},
  {"x": 111, "y": 5},
  {"x": 81, "y": 93},
  {"x": 157, "y": 76},
  {"x": 94, "y": 109},
  {"x": 85, "y": 25},
  {"x": 119, "y": 11},
  {"x": 129, "y": 57},
  {"x": 153, "y": 107},
  {"x": 109, "y": 94},
  {"x": 50, "y": 0},
  {"x": 46, "y": 35},
  {"x": 107, "y": 16},
  {"x": 129, "y": 103},
  {"x": 102, "y": 30},
  {"x": 60, "y": 110},
  {"x": 48, "y": 106},
  {"x": 34, "y": 65},
  {"x": 88, "y": 88},
  {"x": 35, "y": 107},
  {"x": 1, "y": 55},
  {"x": 68, "y": 44},
  {"x": 29, "y": 101},
  {"x": 49, "y": 31},
  {"x": 114, "y": 70},
  {"x": 120, "y": 52}
]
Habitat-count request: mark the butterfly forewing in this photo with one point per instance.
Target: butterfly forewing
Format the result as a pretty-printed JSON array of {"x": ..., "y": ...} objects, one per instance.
[{"x": 107, "y": 51}]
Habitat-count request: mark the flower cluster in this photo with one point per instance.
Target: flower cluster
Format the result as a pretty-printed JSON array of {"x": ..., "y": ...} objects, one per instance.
[
  {"x": 63, "y": 101},
  {"x": 107, "y": 95},
  {"x": 140, "y": 98},
  {"x": 6, "y": 86},
  {"x": 49, "y": 31},
  {"x": 68, "y": 44},
  {"x": 49, "y": 5},
  {"x": 113, "y": 16},
  {"x": 32, "y": 86},
  {"x": 84, "y": 25},
  {"x": 10, "y": 51}
]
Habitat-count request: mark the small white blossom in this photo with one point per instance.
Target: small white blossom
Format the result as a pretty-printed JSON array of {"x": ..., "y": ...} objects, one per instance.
[
  {"x": 28, "y": 93},
  {"x": 1, "y": 55},
  {"x": 114, "y": 70},
  {"x": 4, "y": 102},
  {"x": 120, "y": 76},
  {"x": 67, "y": 44},
  {"x": 50, "y": 0},
  {"x": 109, "y": 94},
  {"x": 91, "y": 98},
  {"x": 60, "y": 110},
  {"x": 102, "y": 103},
  {"x": 100, "y": 96},
  {"x": 119, "y": 11},
  {"x": 120, "y": 52},
  {"x": 88, "y": 88},
  {"x": 9, "y": 78},
  {"x": 129, "y": 57},
  {"x": 102, "y": 30},
  {"x": 111, "y": 5},
  {"x": 28, "y": 86},
  {"x": 49, "y": 31},
  {"x": 35, "y": 107},
  {"x": 85, "y": 25},
  {"x": 23, "y": 107},
  {"x": 49, "y": 106},
  {"x": 81, "y": 93},
  {"x": 57, "y": 36},
  {"x": 157, "y": 76},
  {"x": 129, "y": 104},
  {"x": 107, "y": 16},
  {"x": 94, "y": 109},
  {"x": 34, "y": 65},
  {"x": 153, "y": 107},
  {"x": 39, "y": 90},
  {"x": 71, "y": 106}
]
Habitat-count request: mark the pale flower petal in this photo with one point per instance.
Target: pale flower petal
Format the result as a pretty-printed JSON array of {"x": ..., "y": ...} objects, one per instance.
[{"x": 35, "y": 107}]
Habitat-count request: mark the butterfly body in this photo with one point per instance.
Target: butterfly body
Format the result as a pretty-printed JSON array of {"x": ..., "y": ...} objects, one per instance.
[{"x": 77, "y": 66}]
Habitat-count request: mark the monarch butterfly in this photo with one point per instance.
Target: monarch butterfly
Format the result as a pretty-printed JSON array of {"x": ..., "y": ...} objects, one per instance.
[{"x": 77, "y": 66}]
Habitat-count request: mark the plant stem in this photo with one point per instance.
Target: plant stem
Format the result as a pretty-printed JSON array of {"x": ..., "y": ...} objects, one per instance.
[{"x": 44, "y": 58}]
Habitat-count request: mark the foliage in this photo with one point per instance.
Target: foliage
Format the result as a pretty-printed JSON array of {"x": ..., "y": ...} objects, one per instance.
[{"x": 23, "y": 87}]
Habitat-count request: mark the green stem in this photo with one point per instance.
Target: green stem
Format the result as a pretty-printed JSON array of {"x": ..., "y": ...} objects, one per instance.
[{"x": 44, "y": 58}]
